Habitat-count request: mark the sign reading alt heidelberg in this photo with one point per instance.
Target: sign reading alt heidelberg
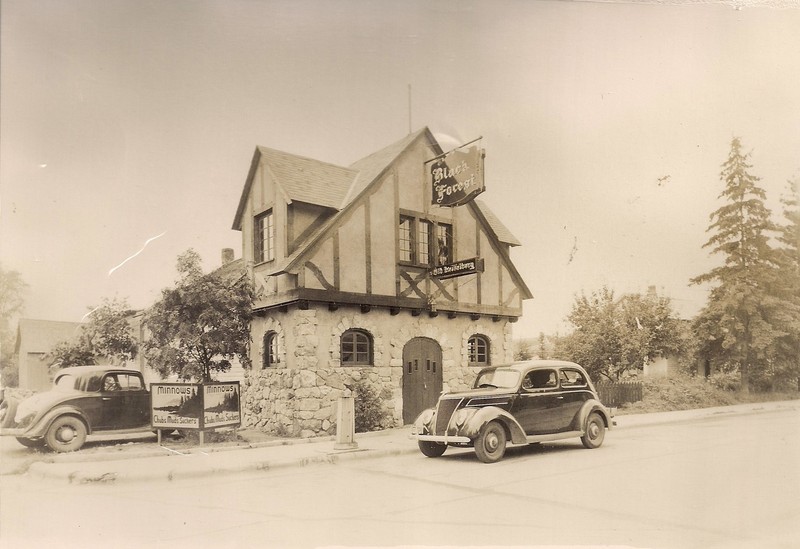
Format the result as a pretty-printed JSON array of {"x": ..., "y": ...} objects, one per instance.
[
  {"x": 457, "y": 176},
  {"x": 459, "y": 268}
]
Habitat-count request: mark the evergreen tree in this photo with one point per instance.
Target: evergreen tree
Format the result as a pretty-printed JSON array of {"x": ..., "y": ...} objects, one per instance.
[
  {"x": 734, "y": 329},
  {"x": 786, "y": 356}
]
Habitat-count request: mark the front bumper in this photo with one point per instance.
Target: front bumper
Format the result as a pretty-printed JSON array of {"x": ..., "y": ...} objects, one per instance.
[
  {"x": 12, "y": 432},
  {"x": 453, "y": 439}
]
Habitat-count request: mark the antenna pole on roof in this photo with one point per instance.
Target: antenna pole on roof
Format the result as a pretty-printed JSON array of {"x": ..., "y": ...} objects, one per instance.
[{"x": 409, "y": 109}]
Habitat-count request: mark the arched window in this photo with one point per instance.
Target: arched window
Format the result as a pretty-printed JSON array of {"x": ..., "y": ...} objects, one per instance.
[
  {"x": 356, "y": 348},
  {"x": 478, "y": 350},
  {"x": 270, "y": 356}
]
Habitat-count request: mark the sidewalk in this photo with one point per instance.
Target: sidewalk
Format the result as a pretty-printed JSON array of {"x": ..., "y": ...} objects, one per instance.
[{"x": 264, "y": 453}]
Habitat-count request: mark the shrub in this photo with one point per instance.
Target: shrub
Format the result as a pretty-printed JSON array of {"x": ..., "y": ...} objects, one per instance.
[
  {"x": 370, "y": 414},
  {"x": 725, "y": 381}
]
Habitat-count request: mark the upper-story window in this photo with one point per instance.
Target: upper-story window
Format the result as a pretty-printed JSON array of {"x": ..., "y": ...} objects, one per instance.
[
  {"x": 407, "y": 239},
  {"x": 444, "y": 243},
  {"x": 424, "y": 242},
  {"x": 264, "y": 237},
  {"x": 478, "y": 350}
]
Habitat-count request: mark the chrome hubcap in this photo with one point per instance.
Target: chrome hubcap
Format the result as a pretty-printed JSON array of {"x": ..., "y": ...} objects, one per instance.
[
  {"x": 66, "y": 434},
  {"x": 492, "y": 442},
  {"x": 594, "y": 430}
]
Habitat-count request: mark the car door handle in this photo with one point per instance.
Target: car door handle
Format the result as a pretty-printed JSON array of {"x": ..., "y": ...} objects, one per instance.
[
  {"x": 559, "y": 398},
  {"x": 106, "y": 398}
]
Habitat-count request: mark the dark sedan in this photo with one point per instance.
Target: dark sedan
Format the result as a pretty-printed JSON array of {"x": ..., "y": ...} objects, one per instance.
[
  {"x": 521, "y": 403},
  {"x": 84, "y": 400}
]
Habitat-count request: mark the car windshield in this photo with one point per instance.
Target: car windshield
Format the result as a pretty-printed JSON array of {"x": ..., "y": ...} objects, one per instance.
[{"x": 501, "y": 378}]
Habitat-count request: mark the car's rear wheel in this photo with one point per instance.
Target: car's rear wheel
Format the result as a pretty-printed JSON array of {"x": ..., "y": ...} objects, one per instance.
[
  {"x": 66, "y": 434},
  {"x": 490, "y": 446},
  {"x": 432, "y": 449},
  {"x": 595, "y": 431},
  {"x": 30, "y": 442}
]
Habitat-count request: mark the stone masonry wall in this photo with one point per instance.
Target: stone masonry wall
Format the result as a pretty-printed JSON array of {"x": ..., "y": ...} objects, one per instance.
[{"x": 299, "y": 395}]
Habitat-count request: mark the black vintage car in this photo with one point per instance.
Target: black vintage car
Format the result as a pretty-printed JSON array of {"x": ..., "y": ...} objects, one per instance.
[
  {"x": 83, "y": 400},
  {"x": 521, "y": 403}
]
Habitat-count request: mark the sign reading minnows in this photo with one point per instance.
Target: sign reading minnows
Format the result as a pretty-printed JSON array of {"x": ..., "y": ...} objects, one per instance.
[
  {"x": 457, "y": 176},
  {"x": 195, "y": 405}
]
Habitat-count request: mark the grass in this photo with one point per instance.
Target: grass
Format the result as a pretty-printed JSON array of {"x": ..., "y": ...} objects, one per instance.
[{"x": 689, "y": 393}]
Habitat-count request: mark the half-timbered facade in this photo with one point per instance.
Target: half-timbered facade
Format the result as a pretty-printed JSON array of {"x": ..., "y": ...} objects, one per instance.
[{"x": 359, "y": 278}]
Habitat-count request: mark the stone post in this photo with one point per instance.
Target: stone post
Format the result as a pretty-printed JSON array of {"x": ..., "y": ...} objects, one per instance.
[{"x": 345, "y": 423}]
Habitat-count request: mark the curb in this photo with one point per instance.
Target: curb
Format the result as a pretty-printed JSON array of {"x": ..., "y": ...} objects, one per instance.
[
  {"x": 106, "y": 473},
  {"x": 200, "y": 462}
]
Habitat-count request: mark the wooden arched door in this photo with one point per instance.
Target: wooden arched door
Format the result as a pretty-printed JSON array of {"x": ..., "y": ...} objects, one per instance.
[{"x": 422, "y": 376}]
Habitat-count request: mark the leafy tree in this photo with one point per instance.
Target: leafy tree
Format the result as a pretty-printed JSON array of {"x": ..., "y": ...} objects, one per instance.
[
  {"x": 200, "y": 324},
  {"x": 108, "y": 336},
  {"x": 615, "y": 336},
  {"x": 734, "y": 329},
  {"x": 12, "y": 303},
  {"x": 522, "y": 350}
]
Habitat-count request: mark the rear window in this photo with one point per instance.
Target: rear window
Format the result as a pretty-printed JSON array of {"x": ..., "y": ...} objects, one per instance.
[{"x": 67, "y": 382}]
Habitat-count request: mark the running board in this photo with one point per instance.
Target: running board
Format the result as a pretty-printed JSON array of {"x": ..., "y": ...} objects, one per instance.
[{"x": 554, "y": 436}]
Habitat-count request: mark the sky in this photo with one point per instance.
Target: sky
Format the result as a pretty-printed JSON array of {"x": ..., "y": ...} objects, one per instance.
[{"x": 128, "y": 126}]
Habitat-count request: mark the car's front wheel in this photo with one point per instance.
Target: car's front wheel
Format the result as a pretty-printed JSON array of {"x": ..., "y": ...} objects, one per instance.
[
  {"x": 66, "y": 434},
  {"x": 490, "y": 446},
  {"x": 595, "y": 431},
  {"x": 432, "y": 449}
]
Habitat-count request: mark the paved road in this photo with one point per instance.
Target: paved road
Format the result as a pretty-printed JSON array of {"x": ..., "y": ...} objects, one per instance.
[{"x": 719, "y": 483}]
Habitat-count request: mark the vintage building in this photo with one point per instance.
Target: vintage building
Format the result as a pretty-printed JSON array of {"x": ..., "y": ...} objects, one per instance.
[{"x": 360, "y": 277}]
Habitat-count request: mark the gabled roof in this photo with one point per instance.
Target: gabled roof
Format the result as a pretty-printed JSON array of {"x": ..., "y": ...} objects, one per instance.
[
  {"x": 300, "y": 178},
  {"x": 315, "y": 182},
  {"x": 500, "y": 230},
  {"x": 371, "y": 167},
  {"x": 40, "y": 336}
]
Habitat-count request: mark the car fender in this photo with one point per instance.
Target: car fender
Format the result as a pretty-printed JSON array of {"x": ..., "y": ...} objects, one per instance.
[
  {"x": 588, "y": 407},
  {"x": 39, "y": 429},
  {"x": 482, "y": 416}
]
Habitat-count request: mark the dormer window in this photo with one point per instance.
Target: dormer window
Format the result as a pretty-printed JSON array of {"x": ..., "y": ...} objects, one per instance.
[{"x": 264, "y": 237}]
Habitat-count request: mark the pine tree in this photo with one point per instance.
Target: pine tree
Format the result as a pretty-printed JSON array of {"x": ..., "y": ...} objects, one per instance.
[
  {"x": 734, "y": 329},
  {"x": 787, "y": 351}
]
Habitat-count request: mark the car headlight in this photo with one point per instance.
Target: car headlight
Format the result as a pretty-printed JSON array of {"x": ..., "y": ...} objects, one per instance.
[
  {"x": 24, "y": 415},
  {"x": 461, "y": 417},
  {"x": 426, "y": 417}
]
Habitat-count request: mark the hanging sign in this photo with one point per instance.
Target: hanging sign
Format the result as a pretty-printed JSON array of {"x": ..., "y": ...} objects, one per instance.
[
  {"x": 456, "y": 177},
  {"x": 459, "y": 268}
]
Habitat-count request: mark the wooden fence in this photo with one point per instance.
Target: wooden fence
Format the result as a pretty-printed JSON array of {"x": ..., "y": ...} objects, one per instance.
[{"x": 618, "y": 393}]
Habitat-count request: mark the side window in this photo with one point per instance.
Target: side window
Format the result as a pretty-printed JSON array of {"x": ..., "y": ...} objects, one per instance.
[
  {"x": 478, "y": 350},
  {"x": 356, "y": 348},
  {"x": 572, "y": 378},
  {"x": 540, "y": 379},
  {"x": 270, "y": 356},
  {"x": 110, "y": 383},
  {"x": 129, "y": 382}
]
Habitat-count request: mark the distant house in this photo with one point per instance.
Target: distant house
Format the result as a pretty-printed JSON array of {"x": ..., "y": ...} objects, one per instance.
[
  {"x": 35, "y": 339},
  {"x": 361, "y": 276}
]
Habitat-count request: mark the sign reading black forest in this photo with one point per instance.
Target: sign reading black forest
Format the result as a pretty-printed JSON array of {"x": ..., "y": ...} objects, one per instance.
[{"x": 457, "y": 177}]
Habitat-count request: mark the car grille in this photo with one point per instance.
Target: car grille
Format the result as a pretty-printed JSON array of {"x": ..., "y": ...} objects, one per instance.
[{"x": 444, "y": 411}]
